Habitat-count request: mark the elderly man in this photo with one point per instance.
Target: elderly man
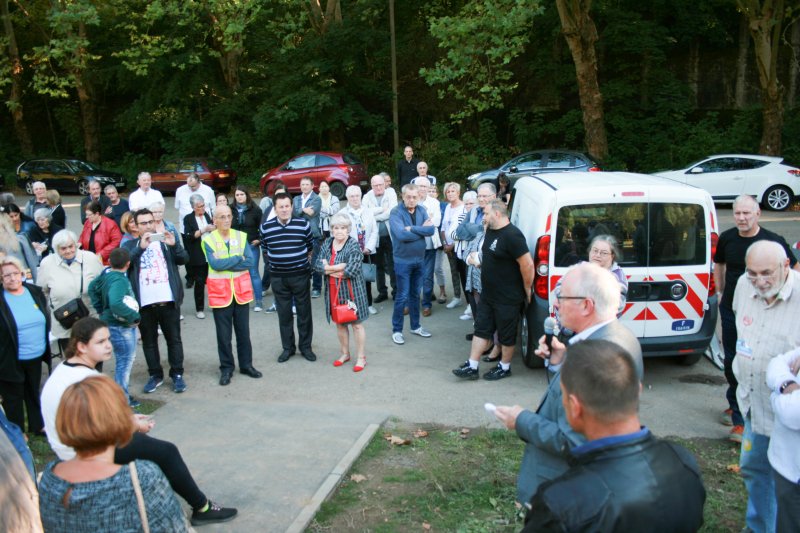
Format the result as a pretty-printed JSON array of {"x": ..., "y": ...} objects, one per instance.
[
  {"x": 506, "y": 279},
  {"x": 185, "y": 192},
  {"x": 409, "y": 225},
  {"x": 363, "y": 229},
  {"x": 380, "y": 203},
  {"x": 407, "y": 167},
  {"x": 229, "y": 293},
  {"x": 433, "y": 242},
  {"x": 39, "y": 200},
  {"x": 623, "y": 479},
  {"x": 144, "y": 196},
  {"x": 117, "y": 206},
  {"x": 289, "y": 244},
  {"x": 422, "y": 172},
  {"x": 728, "y": 267},
  {"x": 95, "y": 195},
  {"x": 387, "y": 183},
  {"x": 766, "y": 304},
  {"x": 587, "y": 305},
  {"x": 307, "y": 205},
  {"x": 472, "y": 226}
]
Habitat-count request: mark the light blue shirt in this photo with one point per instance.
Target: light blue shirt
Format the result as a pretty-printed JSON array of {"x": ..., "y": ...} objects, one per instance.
[{"x": 31, "y": 325}]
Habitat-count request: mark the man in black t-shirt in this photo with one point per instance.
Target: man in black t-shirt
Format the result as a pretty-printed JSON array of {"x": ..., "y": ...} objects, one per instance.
[
  {"x": 506, "y": 280},
  {"x": 729, "y": 265},
  {"x": 407, "y": 167}
]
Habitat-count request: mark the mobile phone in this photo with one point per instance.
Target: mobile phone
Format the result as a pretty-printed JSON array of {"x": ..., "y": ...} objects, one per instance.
[{"x": 156, "y": 237}]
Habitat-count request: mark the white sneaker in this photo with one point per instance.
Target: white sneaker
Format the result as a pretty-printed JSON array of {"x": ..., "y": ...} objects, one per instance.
[
  {"x": 257, "y": 309},
  {"x": 455, "y": 302},
  {"x": 422, "y": 332},
  {"x": 397, "y": 337},
  {"x": 201, "y": 315},
  {"x": 181, "y": 317},
  {"x": 372, "y": 310},
  {"x": 465, "y": 316},
  {"x": 294, "y": 310},
  {"x": 468, "y": 311}
]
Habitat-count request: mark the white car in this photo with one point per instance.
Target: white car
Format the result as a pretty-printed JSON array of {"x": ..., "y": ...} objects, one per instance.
[{"x": 769, "y": 179}]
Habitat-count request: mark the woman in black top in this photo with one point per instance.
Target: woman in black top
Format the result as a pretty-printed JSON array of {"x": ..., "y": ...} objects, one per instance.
[
  {"x": 247, "y": 218},
  {"x": 195, "y": 225},
  {"x": 41, "y": 236}
]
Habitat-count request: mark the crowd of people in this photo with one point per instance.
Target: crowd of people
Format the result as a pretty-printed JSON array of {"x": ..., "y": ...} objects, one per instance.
[{"x": 120, "y": 280}]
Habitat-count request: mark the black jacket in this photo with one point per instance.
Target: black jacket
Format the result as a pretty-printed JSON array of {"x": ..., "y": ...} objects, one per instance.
[
  {"x": 175, "y": 255},
  {"x": 644, "y": 484},
  {"x": 9, "y": 364},
  {"x": 192, "y": 243},
  {"x": 252, "y": 221},
  {"x": 407, "y": 170}
]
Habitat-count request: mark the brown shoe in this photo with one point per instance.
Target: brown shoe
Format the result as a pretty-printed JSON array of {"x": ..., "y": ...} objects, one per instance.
[{"x": 426, "y": 311}]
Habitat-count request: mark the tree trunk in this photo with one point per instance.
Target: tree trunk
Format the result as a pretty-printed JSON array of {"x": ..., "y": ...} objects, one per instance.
[
  {"x": 91, "y": 140},
  {"x": 794, "y": 66},
  {"x": 581, "y": 35},
  {"x": 321, "y": 20},
  {"x": 229, "y": 62},
  {"x": 15, "y": 99},
  {"x": 741, "y": 64},
  {"x": 765, "y": 23},
  {"x": 693, "y": 77}
]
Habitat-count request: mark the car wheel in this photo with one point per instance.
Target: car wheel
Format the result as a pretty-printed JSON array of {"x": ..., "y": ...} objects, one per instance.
[
  {"x": 526, "y": 346},
  {"x": 29, "y": 187},
  {"x": 777, "y": 198},
  {"x": 83, "y": 188},
  {"x": 338, "y": 189}
]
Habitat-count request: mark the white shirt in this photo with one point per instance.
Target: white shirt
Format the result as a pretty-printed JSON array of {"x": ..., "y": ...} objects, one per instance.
[
  {"x": 184, "y": 206},
  {"x": 141, "y": 200},
  {"x": 362, "y": 220},
  {"x": 62, "y": 377},
  {"x": 381, "y": 207},
  {"x": 450, "y": 221},
  {"x": 785, "y": 440},
  {"x": 154, "y": 276},
  {"x": 434, "y": 210}
]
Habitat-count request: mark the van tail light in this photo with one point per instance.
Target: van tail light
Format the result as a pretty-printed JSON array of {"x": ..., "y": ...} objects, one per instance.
[
  {"x": 595, "y": 169},
  {"x": 541, "y": 266},
  {"x": 795, "y": 172},
  {"x": 712, "y": 286}
]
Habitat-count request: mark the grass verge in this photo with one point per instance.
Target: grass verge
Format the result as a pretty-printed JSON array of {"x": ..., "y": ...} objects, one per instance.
[{"x": 464, "y": 481}]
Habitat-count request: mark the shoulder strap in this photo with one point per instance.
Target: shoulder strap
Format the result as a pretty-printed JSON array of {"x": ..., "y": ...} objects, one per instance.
[{"x": 139, "y": 497}]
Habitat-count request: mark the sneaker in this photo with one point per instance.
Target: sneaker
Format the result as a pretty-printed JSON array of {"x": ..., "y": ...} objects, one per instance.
[
  {"x": 257, "y": 309},
  {"x": 271, "y": 309},
  {"x": 497, "y": 373},
  {"x": 133, "y": 402},
  {"x": 736, "y": 434},
  {"x": 422, "y": 332},
  {"x": 213, "y": 514},
  {"x": 455, "y": 302},
  {"x": 316, "y": 294},
  {"x": 465, "y": 316},
  {"x": 398, "y": 338},
  {"x": 726, "y": 419},
  {"x": 201, "y": 315},
  {"x": 152, "y": 384},
  {"x": 181, "y": 317},
  {"x": 466, "y": 372},
  {"x": 372, "y": 310},
  {"x": 294, "y": 310},
  {"x": 178, "y": 385}
]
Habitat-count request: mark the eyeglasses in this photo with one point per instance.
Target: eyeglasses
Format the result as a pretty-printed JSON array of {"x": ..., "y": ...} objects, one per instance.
[
  {"x": 146, "y": 222},
  {"x": 601, "y": 253},
  {"x": 562, "y": 297},
  {"x": 12, "y": 275},
  {"x": 766, "y": 276}
]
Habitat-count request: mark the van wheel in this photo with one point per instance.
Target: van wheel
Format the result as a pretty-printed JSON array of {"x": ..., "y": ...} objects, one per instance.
[
  {"x": 777, "y": 198},
  {"x": 338, "y": 189},
  {"x": 525, "y": 343},
  {"x": 690, "y": 360}
]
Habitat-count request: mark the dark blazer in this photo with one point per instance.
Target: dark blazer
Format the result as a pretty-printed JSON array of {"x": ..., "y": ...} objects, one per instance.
[
  {"x": 175, "y": 255},
  {"x": 252, "y": 221},
  {"x": 9, "y": 344},
  {"x": 192, "y": 243},
  {"x": 104, "y": 203},
  {"x": 59, "y": 217}
]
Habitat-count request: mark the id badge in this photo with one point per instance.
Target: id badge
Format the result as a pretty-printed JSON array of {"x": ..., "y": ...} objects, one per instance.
[{"x": 743, "y": 350}]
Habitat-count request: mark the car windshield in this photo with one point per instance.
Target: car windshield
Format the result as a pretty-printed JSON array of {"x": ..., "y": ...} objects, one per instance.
[{"x": 83, "y": 165}]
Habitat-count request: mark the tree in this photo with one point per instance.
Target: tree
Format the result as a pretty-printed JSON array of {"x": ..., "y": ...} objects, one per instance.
[
  {"x": 765, "y": 19},
  {"x": 14, "y": 102}
]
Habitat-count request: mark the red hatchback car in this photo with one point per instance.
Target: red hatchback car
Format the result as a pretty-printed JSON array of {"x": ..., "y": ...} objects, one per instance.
[
  {"x": 214, "y": 173},
  {"x": 340, "y": 170}
]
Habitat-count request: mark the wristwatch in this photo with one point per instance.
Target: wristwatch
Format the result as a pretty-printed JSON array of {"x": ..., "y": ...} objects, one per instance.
[{"x": 785, "y": 385}]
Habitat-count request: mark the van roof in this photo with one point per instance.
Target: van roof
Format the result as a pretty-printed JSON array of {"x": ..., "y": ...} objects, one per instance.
[{"x": 564, "y": 181}]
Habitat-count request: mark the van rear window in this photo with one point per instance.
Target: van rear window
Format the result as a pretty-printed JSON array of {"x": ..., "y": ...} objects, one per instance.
[{"x": 649, "y": 234}]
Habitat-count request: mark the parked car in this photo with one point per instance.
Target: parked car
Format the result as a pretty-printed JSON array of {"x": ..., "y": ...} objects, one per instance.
[
  {"x": 65, "y": 175},
  {"x": 340, "y": 170},
  {"x": 538, "y": 161},
  {"x": 773, "y": 182},
  {"x": 215, "y": 173}
]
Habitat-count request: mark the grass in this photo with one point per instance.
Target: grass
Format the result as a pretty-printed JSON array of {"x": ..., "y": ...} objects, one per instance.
[{"x": 465, "y": 481}]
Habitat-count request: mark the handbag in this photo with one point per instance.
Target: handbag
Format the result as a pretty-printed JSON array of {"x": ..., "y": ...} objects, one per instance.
[
  {"x": 139, "y": 497},
  {"x": 347, "y": 312},
  {"x": 73, "y": 310},
  {"x": 369, "y": 270}
]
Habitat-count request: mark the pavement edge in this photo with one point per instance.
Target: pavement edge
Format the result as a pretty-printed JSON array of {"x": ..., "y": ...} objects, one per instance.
[{"x": 332, "y": 481}]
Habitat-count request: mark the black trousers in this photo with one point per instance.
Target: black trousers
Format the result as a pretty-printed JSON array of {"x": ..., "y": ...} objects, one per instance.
[
  {"x": 384, "y": 260},
  {"x": 168, "y": 458},
  {"x": 21, "y": 397},
  {"x": 199, "y": 273},
  {"x": 169, "y": 318},
  {"x": 235, "y": 317},
  {"x": 285, "y": 289}
]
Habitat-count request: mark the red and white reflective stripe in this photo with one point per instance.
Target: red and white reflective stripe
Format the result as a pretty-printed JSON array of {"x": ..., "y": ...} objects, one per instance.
[
  {"x": 548, "y": 223},
  {"x": 691, "y": 306}
]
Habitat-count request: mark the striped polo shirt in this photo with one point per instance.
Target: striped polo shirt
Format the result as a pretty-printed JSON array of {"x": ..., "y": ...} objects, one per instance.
[{"x": 287, "y": 246}]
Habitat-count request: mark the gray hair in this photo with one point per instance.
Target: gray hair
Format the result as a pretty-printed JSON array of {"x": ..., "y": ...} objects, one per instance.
[
  {"x": 470, "y": 195},
  {"x": 340, "y": 219},
  {"x": 42, "y": 212},
  {"x": 12, "y": 260},
  {"x": 766, "y": 249},
  {"x": 38, "y": 184},
  {"x": 451, "y": 185},
  {"x": 196, "y": 199},
  {"x": 408, "y": 187},
  {"x": 143, "y": 175},
  {"x": 611, "y": 241},
  {"x": 747, "y": 198},
  {"x": 599, "y": 285},
  {"x": 110, "y": 187},
  {"x": 352, "y": 188},
  {"x": 63, "y": 238},
  {"x": 489, "y": 186},
  {"x": 156, "y": 205}
]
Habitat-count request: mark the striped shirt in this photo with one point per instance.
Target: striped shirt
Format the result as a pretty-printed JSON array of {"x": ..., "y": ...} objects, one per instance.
[
  {"x": 287, "y": 246},
  {"x": 764, "y": 331}
]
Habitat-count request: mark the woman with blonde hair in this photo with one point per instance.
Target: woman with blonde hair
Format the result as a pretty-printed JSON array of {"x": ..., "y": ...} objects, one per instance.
[{"x": 18, "y": 246}]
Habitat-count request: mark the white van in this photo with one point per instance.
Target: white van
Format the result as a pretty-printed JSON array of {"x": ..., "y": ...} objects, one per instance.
[{"x": 667, "y": 233}]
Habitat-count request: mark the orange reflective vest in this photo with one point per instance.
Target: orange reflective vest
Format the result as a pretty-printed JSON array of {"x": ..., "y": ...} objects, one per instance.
[{"x": 224, "y": 285}]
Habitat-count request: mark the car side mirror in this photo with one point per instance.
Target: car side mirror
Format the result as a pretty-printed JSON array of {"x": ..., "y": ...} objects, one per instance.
[
  {"x": 696, "y": 170},
  {"x": 513, "y": 169}
]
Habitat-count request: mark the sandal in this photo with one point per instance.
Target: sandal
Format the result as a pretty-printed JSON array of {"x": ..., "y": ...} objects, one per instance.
[
  {"x": 342, "y": 360},
  {"x": 360, "y": 364}
]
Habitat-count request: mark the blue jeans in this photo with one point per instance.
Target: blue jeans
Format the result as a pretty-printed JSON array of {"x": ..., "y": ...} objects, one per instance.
[
  {"x": 123, "y": 340},
  {"x": 255, "y": 277},
  {"x": 427, "y": 278},
  {"x": 762, "y": 507},
  {"x": 409, "y": 283}
]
